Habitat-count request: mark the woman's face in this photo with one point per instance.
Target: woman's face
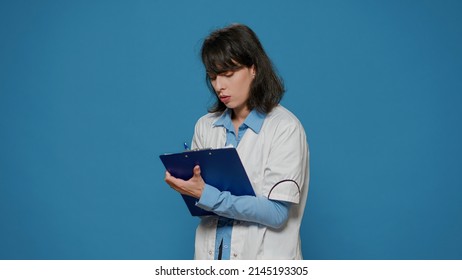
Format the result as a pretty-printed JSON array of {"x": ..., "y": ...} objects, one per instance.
[{"x": 233, "y": 87}]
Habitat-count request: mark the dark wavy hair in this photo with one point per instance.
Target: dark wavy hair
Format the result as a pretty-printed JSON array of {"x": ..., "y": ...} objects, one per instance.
[{"x": 231, "y": 48}]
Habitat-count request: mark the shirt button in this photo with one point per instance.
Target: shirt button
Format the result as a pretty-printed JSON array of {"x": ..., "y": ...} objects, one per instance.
[
  {"x": 210, "y": 252},
  {"x": 235, "y": 255},
  {"x": 226, "y": 246}
]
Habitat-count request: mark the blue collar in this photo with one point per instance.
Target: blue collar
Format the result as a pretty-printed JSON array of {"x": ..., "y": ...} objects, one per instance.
[{"x": 253, "y": 121}]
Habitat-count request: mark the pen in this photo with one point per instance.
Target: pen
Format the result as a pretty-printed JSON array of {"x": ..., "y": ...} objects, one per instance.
[{"x": 185, "y": 146}]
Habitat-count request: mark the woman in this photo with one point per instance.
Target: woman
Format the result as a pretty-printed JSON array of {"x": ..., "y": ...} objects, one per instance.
[{"x": 272, "y": 146}]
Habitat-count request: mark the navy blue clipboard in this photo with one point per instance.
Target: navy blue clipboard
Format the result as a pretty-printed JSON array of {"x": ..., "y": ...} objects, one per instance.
[{"x": 221, "y": 168}]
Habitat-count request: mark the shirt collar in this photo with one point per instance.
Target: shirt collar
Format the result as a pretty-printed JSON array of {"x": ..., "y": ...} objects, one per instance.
[{"x": 253, "y": 121}]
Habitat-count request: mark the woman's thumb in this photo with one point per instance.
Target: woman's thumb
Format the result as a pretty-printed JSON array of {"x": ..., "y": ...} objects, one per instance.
[{"x": 197, "y": 170}]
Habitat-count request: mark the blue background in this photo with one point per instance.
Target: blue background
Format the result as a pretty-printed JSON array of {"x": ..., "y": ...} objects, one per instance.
[{"x": 91, "y": 92}]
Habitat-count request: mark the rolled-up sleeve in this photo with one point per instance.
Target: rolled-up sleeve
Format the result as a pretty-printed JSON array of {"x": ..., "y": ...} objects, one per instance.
[{"x": 287, "y": 164}]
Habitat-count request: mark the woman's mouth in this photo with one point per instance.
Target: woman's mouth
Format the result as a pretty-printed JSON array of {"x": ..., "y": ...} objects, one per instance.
[{"x": 225, "y": 98}]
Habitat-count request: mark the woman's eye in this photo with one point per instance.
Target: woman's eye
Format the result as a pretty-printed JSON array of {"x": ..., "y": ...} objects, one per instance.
[{"x": 225, "y": 74}]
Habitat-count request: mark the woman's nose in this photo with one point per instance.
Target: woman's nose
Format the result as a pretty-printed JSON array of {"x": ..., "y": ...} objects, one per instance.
[{"x": 219, "y": 83}]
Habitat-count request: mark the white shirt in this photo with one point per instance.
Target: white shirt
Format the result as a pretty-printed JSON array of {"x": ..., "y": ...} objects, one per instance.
[{"x": 277, "y": 163}]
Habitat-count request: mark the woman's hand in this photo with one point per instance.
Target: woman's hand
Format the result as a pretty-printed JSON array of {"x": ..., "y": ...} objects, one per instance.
[{"x": 192, "y": 187}]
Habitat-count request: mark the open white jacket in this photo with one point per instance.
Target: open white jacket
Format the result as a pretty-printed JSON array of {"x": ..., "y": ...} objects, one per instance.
[{"x": 277, "y": 163}]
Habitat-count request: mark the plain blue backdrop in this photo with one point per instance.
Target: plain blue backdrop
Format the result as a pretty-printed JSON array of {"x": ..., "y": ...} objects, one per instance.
[{"x": 91, "y": 92}]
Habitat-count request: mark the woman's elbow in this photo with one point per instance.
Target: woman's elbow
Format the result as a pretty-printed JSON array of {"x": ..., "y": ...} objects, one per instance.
[{"x": 281, "y": 216}]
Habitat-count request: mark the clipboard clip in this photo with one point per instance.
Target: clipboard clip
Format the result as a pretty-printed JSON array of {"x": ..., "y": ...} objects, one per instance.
[
  {"x": 197, "y": 150},
  {"x": 187, "y": 149},
  {"x": 203, "y": 149}
]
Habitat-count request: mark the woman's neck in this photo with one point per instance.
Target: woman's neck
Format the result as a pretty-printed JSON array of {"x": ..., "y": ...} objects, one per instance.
[
  {"x": 238, "y": 117},
  {"x": 240, "y": 114}
]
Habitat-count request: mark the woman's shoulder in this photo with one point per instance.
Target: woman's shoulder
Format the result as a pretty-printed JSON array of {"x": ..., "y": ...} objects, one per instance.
[
  {"x": 282, "y": 114},
  {"x": 208, "y": 119}
]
